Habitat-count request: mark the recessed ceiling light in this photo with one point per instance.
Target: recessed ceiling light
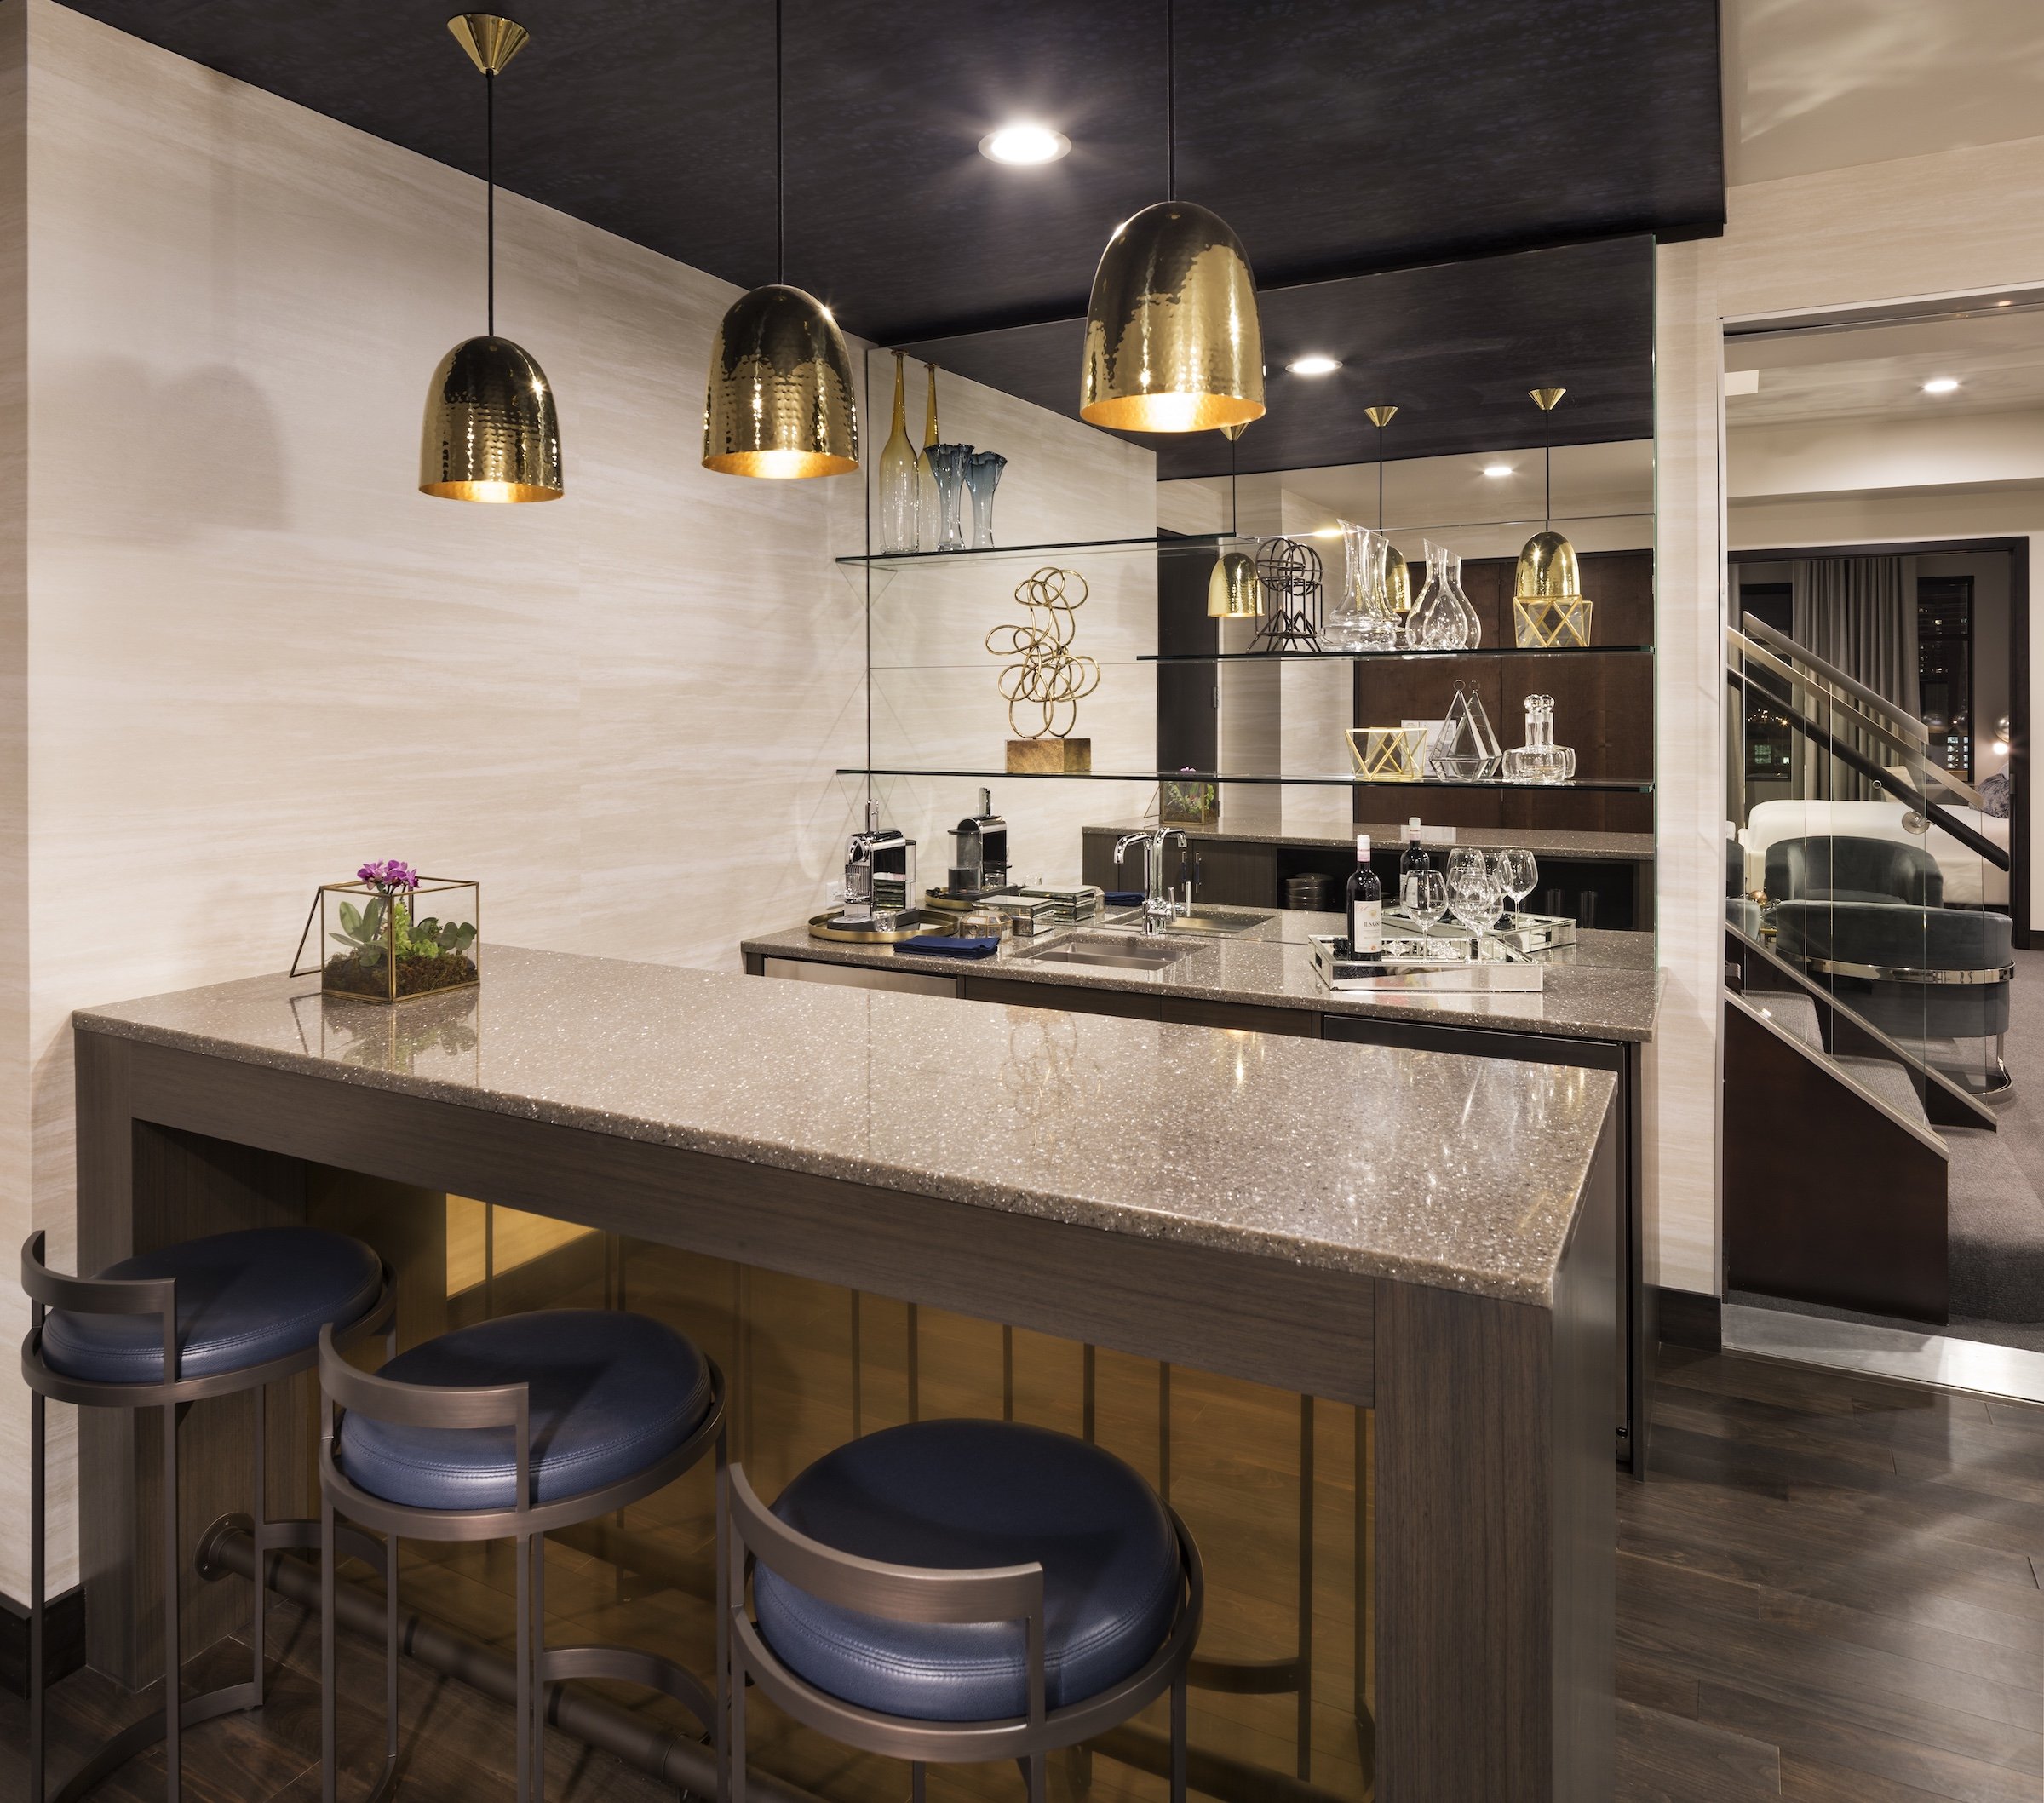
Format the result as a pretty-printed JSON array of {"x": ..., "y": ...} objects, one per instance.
[
  {"x": 1314, "y": 363},
  {"x": 1941, "y": 385},
  {"x": 1495, "y": 471},
  {"x": 1024, "y": 144}
]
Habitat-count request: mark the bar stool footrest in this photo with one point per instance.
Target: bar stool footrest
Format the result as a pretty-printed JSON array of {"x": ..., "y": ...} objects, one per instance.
[
  {"x": 632, "y": 1665},
  {"x": 140, "y": 1736}
]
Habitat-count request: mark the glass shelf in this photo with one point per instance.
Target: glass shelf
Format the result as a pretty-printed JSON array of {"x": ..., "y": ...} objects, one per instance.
[
  {"x": 1582, "y": 785},
  {"x": 905, "y": 560},
  {"x": 1491, "y": 651}
]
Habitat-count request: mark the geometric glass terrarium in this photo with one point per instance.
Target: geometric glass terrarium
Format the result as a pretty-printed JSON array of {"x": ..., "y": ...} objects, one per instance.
[{"x": 393, "y": 934}]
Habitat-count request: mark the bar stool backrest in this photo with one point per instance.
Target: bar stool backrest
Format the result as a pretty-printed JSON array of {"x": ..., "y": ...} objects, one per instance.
[
  {"x": 47, "y": 1290},
  {"x": 424, "y": 1405},
  {"x": 920, "y": 1593}
]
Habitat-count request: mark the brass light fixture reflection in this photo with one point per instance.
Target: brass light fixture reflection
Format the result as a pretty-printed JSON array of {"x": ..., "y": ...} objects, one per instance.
[
  {"x": 1398, "y": 575},
  {"x": 781, "y": 403},
  {"x": 1234, "y": 590},
  {"x": 1173, "y": 340},
  {"x": 490, "y": 433},
  {"x": 1547, "y": 569}
]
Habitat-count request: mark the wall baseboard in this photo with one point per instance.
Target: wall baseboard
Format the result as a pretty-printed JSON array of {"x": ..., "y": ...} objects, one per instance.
[
  {"x": 63, "y": 1639},
  {"x": 1690, "y": 1319}
]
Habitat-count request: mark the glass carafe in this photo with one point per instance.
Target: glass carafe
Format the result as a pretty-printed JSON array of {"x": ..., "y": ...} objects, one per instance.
[
  {"x": 900, "y": 472},
  {"x": 1540, "y": 759},
  {"x": 1442, "y": 618},
  {"x": 1363, "y": 621}
]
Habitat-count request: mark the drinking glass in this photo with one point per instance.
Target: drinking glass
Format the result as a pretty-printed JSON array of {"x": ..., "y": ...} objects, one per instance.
[
  {"x": 1471, "y": 900},
  {"x": 1518, "y": 873},
  {"x": 1467, "y": 863},
  {"x": 1425, "y": 897}
]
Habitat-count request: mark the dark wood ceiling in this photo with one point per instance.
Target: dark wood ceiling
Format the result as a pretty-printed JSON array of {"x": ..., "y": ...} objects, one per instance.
[{"x": 1340, "y": 141}]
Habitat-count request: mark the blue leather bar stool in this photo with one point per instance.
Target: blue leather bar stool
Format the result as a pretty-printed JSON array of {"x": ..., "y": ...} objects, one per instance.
[
  {"x": 505, "y": 1430},
  {"x": 953, "y": 1591},
  {"x": 207, "y": 1317}
]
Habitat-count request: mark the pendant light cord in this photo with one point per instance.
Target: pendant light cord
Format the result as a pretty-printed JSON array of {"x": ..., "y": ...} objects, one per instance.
[
  {"x": 780, "y": 190},
  {"x": 1234, "y": 511},
  {"x": 1380, "y": 478},
  {"x": 490, "y": 203},
  {"x": 1546, "y": 503},
  {"x": 1170, "y": 102}
]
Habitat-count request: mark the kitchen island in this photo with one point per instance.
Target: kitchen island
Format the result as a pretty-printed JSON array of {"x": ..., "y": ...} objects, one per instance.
[
  {"x": 1597, "y": 1011},
  {"x": 1427, "y": 1238}
]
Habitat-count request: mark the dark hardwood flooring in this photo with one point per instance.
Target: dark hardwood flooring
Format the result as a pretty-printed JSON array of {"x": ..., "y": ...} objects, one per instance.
[{"x": 1828, "y": 1591}]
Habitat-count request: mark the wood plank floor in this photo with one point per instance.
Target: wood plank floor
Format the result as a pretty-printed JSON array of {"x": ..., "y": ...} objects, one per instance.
[{"x": 1828, "y": 1591}]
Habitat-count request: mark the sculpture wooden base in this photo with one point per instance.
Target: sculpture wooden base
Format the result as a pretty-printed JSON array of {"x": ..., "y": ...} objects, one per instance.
[{"x": 1049, "y": 756}]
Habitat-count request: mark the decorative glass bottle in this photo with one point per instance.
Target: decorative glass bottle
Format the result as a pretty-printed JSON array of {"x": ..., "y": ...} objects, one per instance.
[
  {"x": 1540, "y": 759},
  {"x": 900, "y": 473},
  {"x": 948, "y": 464},
  {"x": 929, "y": 500},
  {"x": 1442, "y": 618},
  {"x": 982, "y": 477}
]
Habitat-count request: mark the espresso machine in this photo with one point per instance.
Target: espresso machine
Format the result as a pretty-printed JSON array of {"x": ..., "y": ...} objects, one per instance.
[
  {"x": 980, "y": 855},
  {"x": 879, "y": 875}
]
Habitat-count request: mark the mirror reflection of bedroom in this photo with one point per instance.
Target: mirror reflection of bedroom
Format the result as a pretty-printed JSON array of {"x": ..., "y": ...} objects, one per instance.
[{"x": 1885, "y": 1016}]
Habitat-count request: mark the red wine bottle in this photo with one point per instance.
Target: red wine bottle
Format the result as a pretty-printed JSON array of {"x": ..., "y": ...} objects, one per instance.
[{"x": 1365, "y": 905}]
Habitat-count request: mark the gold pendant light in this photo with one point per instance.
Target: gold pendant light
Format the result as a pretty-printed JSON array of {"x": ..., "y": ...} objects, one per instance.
[
  {"x": 1547, "y": 569},
  {"x": 490, "y": 434},
  {"x": 1173, "y": 341},
  {"x": 1234, "y": 590},
  {"x": 781, "y": 401}
]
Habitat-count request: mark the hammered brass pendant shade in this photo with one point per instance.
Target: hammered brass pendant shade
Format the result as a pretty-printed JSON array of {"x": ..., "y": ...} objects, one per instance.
[
  {"x": 781, "y": 401},
  {"x": 490, "y": 433},
  {"x": 1173, "y": 340}
]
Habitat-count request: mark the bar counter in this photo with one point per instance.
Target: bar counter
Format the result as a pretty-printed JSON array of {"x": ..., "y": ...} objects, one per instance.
[{"x": 1428, "y": 1237}]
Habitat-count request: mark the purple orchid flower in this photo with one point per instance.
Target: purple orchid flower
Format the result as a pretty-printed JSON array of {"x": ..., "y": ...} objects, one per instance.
[{"x": 390, "y": 875}]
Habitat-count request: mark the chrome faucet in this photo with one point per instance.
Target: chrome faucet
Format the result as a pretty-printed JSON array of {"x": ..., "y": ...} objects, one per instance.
[{"x": 1160, "y": 907}]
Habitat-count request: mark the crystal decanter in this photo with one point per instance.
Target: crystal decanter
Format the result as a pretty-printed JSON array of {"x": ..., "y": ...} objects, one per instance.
[
  {"x": 1540, "y": 759},
  {"x": 1442, "y": 618}
]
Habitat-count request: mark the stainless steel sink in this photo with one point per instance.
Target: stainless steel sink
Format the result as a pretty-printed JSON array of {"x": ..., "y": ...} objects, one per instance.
[
  {"x": 1222, "y": 922},
  {"x": 1114, "y": 952}
]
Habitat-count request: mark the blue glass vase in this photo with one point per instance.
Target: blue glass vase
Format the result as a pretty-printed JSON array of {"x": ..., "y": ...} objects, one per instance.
[
  {"x": 949, "y": 464},
  {"x": 982, "y": 477}
]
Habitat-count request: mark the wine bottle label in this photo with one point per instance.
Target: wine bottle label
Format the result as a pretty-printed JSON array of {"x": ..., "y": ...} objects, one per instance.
[{"x": 1366, "y": 928}]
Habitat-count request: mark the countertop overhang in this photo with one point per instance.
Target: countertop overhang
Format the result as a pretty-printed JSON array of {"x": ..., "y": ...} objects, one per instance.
[
  {"x": 1447, "y": 1171},
  {"x": 1603, "y": 987}
]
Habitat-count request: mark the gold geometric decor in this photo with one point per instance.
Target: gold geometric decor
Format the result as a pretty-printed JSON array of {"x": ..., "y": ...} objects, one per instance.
[
  {"x": 1387, "y": 754},
  {"x": 1551, "y": 623},
  {"x": 1044, "y": 685}
]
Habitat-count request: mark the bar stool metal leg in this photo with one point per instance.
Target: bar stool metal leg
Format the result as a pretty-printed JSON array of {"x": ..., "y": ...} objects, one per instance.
[
  {"x": 38, "y": 1580},
  {"x": 173, "y": 1665}
]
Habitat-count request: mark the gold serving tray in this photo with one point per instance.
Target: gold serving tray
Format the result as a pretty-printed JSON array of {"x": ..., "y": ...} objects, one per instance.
[{"x": 910, "y": 923}]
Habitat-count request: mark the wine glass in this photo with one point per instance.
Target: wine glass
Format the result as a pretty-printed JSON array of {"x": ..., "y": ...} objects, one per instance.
[
  {"x": 1467, "y": 863},
  {"x": 1519, "y": 872},
  {"x": 1470, "y": 899},
  {"x": 1427, "y": 897}
]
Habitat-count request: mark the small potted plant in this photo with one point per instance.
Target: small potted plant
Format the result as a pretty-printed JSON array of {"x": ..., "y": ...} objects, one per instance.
[{"x": 391, "y": 935}]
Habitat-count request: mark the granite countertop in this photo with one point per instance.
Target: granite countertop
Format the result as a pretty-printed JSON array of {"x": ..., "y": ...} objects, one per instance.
[
  {"x": 1387, "y": 835},
  {"x": 1458, "y": 1172},
  {"x": 1603, "y": 987}
]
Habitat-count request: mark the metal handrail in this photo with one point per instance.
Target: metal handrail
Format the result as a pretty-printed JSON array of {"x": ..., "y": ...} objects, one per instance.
[
  {"x": 1885, "y": 780},
  {"x": 1832, "y": 673},
  {"x": 1759, "y": 654}
]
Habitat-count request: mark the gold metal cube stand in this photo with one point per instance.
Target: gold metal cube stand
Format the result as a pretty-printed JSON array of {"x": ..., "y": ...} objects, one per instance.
[
  {"x": 1551, "y": 623},
  {"x": 1387, "y": 754}
]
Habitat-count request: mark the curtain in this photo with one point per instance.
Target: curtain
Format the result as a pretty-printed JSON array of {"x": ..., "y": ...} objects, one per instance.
[{"x": 1859, "y": 613}]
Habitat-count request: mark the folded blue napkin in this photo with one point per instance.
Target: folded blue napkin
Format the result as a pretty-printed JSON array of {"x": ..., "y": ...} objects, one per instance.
[
  {"x": 936, "y": 945},
  {"x": 1124, "y": 898}
]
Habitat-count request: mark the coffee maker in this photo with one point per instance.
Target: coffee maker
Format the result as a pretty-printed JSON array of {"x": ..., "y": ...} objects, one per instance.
[
  {"x": 979, "y": 856},
  {"x": 880, "y": 874}
]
